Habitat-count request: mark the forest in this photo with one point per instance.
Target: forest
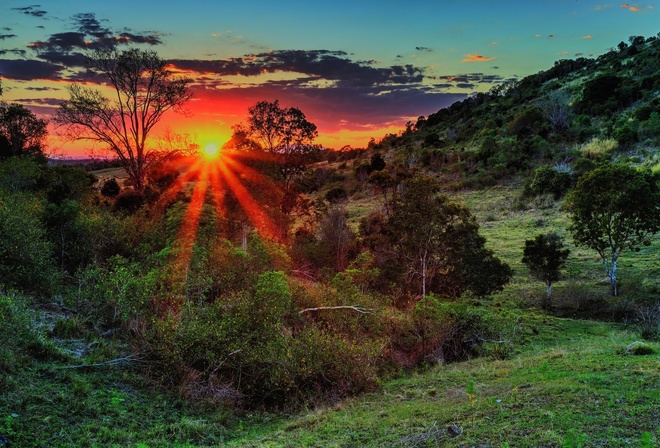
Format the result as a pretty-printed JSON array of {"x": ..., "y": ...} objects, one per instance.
[{"x": 171, "y": 297}]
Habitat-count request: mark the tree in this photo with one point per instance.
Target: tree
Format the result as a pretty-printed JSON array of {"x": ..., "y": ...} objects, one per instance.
[
  {"x": 614, "y": 207},
  {"x": 438, "y": 237},
  {"x": 21, "y": 132},
  {"x": 545, "y": 256},
  {"x": 285, "y": 133},
  {"x": 144, "y": 91},
  {"x": 336, "y": 235},
  {"x": 556, "y": 107}
]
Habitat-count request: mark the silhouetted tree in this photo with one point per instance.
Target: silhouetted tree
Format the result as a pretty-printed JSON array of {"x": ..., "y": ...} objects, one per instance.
[
  {"x": 284, "y": 133},
  {"x": 144, "y": 91},
  {"x": 21, "y": 132}
]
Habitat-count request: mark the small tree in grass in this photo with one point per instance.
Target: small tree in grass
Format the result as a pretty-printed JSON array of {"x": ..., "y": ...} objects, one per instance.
[
  {"x": 545, "y": 256},
  {"x": 614, "y": 207}
]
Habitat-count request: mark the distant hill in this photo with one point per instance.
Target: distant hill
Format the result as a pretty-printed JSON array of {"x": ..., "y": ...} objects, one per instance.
[{"x": 576, "y": 114}]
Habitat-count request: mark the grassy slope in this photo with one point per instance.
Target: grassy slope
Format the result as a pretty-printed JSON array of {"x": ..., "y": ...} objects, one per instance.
[{"x": 569, "y": 381}]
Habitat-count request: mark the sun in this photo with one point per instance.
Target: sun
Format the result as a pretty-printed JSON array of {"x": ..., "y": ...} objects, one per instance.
[{"x": 211, "y": 151}]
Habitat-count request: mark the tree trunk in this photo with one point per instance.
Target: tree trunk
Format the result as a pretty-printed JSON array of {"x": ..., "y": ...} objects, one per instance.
[
  {"x": 613, "y": 288},
  {"x": 423, "y": 260},
  {"x": 548, "y": 293}
]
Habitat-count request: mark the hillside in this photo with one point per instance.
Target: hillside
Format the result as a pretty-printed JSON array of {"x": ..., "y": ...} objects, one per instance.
[{"x": 571, "y": 116}]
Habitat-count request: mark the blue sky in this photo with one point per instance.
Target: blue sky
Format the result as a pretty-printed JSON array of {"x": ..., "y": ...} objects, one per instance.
[{"x": 358, "y": 69}]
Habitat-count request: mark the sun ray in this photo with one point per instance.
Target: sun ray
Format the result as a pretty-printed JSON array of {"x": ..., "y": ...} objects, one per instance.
[
  {"x": 255, "y": 213},
  {"x": 185, "y": 239}
]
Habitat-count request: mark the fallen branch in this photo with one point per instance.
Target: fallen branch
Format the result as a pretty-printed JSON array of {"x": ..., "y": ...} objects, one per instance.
[
  {"x": 112, "y": 362},
  {"x": 340, "y": 307}
]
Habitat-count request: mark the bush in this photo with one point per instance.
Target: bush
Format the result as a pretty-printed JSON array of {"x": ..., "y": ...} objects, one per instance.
[
  {"x": 110, "y": 188},
  {"x": 129, "y": 201},
  {"x": 25, "y": 253},
  {"x": 548, "y": 180}
]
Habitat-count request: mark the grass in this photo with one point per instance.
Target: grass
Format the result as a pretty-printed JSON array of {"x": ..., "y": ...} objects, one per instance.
[{"x": 570, "y": 382}]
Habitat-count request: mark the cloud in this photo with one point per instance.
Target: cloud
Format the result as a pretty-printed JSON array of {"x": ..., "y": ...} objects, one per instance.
[
  {"x": 588, "y": 36},
  {"x": 88, "y": 34},
  {"x": 635, "y": 8},
  {"x": 550, "y": 36},
  {"x": 26, "y": 70},
  {"x": 316, "y": 64},
  {"x": 6, "y": 36},
  {"x": 16, "y": 51},
  {"x": 477, "y": 58},
  {"x": 41, "y": 89},
  {"x": 426, "y": 49},
  {"x": 31, "y": 10}
]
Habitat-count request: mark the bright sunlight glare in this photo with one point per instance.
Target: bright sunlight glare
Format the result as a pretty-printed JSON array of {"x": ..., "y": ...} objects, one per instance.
[{"x": 211, "y": 150}]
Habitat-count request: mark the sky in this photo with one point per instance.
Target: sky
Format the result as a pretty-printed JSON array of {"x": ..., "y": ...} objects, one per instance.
[{"x": 357, "y": 69}]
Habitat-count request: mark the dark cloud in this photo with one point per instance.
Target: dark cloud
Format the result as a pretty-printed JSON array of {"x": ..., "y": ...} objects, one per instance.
[
  {"x": 88, "y": 24},
  {"x": 40, "y": 101},
  {"x": 317, "y": 64},
  {"x": 16, "y": 51},
  {"x": 427, "y": 49},
  {"x": 89, "y": 34},
  {"x": 32, "y": 10},
  {"x": 26, "y": 70},
  {"x": 7, "y": 36},
  {"x": 41, "y": 89},
  {"x": 465, "y": 85}
]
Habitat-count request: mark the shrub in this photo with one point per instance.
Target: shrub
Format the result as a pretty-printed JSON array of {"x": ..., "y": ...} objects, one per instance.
[
  {"x": 548, "y": 180},
  {"x": 648, "y": 320},
  {"x": 25, "y": 254},
  {"x": 599, "y": 148},
  {"x": 110, "y": 188},
  {"x": 129, "y": 201},
  {"x": 639, "y": 348}
]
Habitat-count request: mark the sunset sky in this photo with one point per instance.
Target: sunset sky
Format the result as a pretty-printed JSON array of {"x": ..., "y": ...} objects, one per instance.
[{"x": 357, "y": 69}]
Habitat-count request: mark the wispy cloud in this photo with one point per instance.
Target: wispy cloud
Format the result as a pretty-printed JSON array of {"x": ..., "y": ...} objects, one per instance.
[
  {"x": 426, "y": 49},
  {"x": 635, "y": 8},
  {"x": 588, "y": 36},
  {"x": 32, "y": 10},
  {"x": 477, "y": 58}
]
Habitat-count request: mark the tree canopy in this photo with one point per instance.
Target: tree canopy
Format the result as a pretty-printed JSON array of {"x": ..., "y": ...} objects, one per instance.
[
  {"x": 614, "y": 207},
  {"x": 284, "y": 132},
  {"x": 144, "y": 91},
  {"x": 545, "y": 256},
  {"x": 21, "y": 132}
]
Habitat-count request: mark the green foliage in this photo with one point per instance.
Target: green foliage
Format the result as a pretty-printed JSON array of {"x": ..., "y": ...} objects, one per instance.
[
  {"x": 545, "y": 256},
  {"x": 25, "y": 252},
  {"x": 439, "y": 244},
  {"x": 118, "y": 291},
  {"x": 614, "y": 207},
  {"x": 548, "y": 180}
]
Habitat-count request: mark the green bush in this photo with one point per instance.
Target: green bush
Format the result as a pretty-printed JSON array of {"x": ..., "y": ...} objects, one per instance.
[{"x": 25, "y": 254}]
